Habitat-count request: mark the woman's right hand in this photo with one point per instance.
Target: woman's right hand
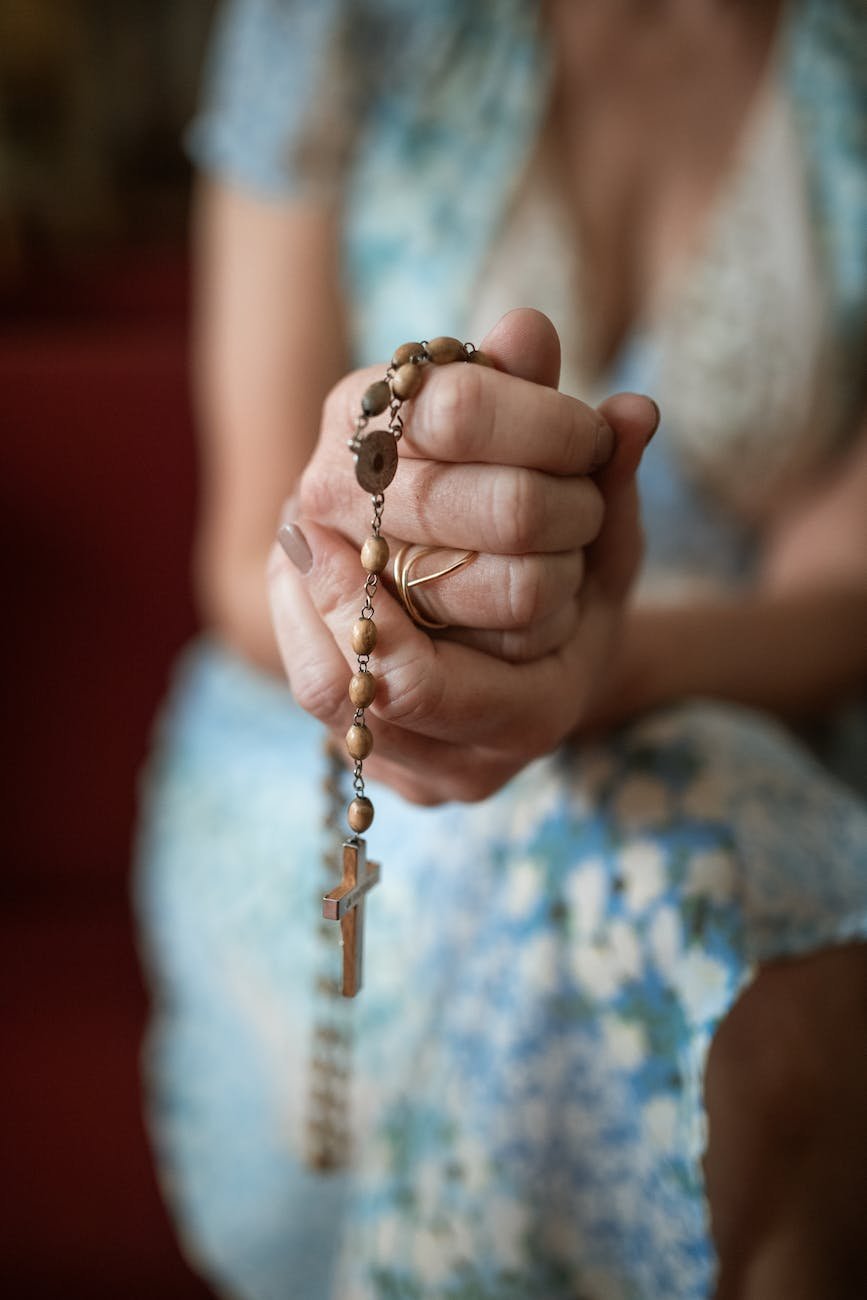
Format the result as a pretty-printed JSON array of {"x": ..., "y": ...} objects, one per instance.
[{"x": 496, "y": 462}]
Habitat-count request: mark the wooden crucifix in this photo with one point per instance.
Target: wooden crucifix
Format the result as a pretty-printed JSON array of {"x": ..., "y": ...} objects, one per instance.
[{"x": 346, "y": 905}]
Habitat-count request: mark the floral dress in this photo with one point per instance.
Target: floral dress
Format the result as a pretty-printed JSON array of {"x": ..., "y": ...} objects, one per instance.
[{"x": 544, "y": 970}]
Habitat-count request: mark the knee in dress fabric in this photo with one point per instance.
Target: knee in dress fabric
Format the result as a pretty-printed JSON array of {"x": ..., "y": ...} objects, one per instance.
[{"x": 785, "y": 1088}]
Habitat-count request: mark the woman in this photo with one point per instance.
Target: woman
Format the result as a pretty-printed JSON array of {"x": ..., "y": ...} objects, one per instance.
[{"x": 550, "y": 970}]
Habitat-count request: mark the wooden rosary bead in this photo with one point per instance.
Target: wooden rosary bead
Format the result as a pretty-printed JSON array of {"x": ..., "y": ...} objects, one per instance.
[
  {"x": 362, "y": 689},
  {"x": 481, "y": 359},
  {"x": 363, "y": 636},
  {"x": 376, "y": 398},
  {"x": 405, "y": 353},
  {"x": 359, "y": 740},
  {"x": 374, "y": 554},
  {"x": 359, "y": 814},
  {"x": 444, "y": 349},
  {"x": 407, "y": 381}
]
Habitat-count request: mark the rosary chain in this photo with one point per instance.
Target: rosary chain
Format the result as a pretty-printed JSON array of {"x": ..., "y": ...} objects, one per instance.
[
  {"x": 328, "y": 1137},
  {"x": 401, "y": 382}
]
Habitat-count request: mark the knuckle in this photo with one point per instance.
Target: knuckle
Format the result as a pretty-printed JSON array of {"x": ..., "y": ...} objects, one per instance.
[
  {"x": 439, "y": 412},
  {"x": 483, "y": 780},
  {"x": 518, "y": 509},
  {"x": 593, "y": 440},
  {"x": 577, "y": 428},
  {"x": 414, "y": 693},
  {"x": 521, "y": 647},
  {"x": 526, "y": 591},
  {"x": 423, "y": 794},
  {"x": 478, "y": 787},
  {"x": 454, "y": 402},
  {"x": 317, "y": 495},
  {"x": 318, "y": 693},
  {"x": 543, "y": 737},
  {"x": 579, "y": 570},
  {"x": 574, "y": 435},
  {"x": 593, "y": 511},
  {"x": 469, "y": 785},
  {"x": 471, "y": 392}
]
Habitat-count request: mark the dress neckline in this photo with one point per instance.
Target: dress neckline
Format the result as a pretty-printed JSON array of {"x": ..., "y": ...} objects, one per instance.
[{"x": 542, "y": 168}]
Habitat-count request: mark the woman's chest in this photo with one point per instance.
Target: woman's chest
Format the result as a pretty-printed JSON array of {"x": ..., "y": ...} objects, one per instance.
[{"x": 649, "y": 107}]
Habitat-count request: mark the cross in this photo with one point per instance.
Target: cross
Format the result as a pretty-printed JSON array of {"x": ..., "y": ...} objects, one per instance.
[{"x": 346, "y": 905}]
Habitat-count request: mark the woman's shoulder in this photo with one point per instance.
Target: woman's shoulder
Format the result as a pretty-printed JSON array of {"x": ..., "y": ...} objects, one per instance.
[{"x": 291, "y": 89}]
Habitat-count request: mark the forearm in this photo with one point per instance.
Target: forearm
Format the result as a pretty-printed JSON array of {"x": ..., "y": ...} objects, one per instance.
[
  {"x": 268, "y": 345},
  {"x": 795, "y": 644},
  {"x": 235, "y": 609},
  {"x": 793, "y": 653}
]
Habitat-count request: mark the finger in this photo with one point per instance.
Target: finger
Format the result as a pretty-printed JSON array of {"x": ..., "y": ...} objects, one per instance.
[
  {"x": 319, "y": 673},
  {"x": 465, "y": 413},
  {"x": 634, "y": 419},
  {"x": 471, "y": 773},
  {"x": 615, "y": 556},
  {"x": 422, "y": 770},
  {"x": 316, "y": 671},
  {"x": 496, "y": 592},
  {"x": 497, "y": 509},
  {"x": 522, "y": 645},
  {"x": 434, "y": 688},
  {"x": 524, "y": 343}
]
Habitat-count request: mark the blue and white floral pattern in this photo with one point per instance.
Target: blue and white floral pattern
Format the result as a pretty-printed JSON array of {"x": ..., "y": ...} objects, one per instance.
[{"x": 544, "y": 974}]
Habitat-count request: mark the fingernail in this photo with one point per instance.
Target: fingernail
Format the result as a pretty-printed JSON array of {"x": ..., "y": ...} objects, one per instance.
[
  {"x": 656, "y": 422},
  {"x": 294, "y": 543},
  {"x": 604, "y": 448}
]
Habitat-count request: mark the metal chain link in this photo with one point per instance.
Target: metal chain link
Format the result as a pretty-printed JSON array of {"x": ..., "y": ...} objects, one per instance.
[{"x": 328, "y": 1123}]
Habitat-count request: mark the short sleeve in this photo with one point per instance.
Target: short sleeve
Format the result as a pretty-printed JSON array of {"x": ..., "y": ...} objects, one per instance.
[{"x": 266, "y": 72}]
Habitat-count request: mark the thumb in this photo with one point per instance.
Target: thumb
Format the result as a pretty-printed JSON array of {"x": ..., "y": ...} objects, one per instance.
[
  {"x": 524, "y": 343},
  {"x": 615, "y": 556}
]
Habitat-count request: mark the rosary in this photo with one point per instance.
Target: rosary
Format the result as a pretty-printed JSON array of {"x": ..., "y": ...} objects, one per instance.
[{"x": 376, "y": 458}]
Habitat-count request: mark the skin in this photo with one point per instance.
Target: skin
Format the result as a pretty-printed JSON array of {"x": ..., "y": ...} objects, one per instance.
[
  {"x": 550, "y": 615},
  {"x": 453, "y": 720}
]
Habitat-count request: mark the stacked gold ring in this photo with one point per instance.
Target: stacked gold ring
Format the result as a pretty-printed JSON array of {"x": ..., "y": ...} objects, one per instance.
[{"x": 405, "y": 561}]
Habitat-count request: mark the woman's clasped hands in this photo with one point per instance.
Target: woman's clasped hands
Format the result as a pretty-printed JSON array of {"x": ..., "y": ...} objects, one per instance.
[{"x": 494, "y": 461}]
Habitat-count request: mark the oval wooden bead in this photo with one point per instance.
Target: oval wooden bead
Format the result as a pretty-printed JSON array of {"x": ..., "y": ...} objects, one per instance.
[
  {"x": 359, "y": 814},
  {"x": 374, "y": 554},
  {"x": 405, "y": 353},
  {"x": 481, "y": 359},
  {"x": 407, "y": 381},
  {"x": 359, "y": 740},
  {"x": 444, "y": 349},
  {"x": 363, "y": 636},
  {"x": 376, "y": 398},
  {"x": 362, "y": 689}
]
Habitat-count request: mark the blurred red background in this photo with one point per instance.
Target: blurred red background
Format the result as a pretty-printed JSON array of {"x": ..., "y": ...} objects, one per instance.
[{"x": 97, "y": 509}]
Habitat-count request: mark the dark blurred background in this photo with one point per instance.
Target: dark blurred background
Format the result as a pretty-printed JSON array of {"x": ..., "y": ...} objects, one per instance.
[{"x": 98, "y": 500}]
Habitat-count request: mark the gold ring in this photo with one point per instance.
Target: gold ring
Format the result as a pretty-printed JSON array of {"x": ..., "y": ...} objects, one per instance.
[{"x": 405, "y": 561}]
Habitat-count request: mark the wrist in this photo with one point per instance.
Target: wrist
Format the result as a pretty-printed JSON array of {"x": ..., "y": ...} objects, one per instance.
[{"x": 634, "y": 680}]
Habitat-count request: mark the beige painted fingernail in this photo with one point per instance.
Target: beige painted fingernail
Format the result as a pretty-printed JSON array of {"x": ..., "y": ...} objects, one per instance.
[{"x": 294, "y": 543}]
